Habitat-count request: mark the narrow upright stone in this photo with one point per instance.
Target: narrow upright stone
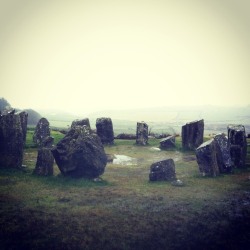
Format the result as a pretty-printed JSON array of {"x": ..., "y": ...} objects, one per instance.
[
  {"x": 238, "y": 144},
  {"x": 42, "y": 130},
  {"x": 104, "y": 129},
  {"x": 192, "y": 135},
  {"x": 142, "y": 133}
]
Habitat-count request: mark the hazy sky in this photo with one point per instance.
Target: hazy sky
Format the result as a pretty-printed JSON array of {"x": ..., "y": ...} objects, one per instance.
[{"x": 83, "y": 56}]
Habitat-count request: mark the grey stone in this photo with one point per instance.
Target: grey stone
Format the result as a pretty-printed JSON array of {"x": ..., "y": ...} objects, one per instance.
[
  {"x": 142, "y": 133},
  {"x": 126, "y": 136},
  {"x": 44, "y": 163},
  {"x": 192, "y": 134},
  {"x": 238, "y": 144},
  {"x": 162, "y": 171},
  {"x": 80, "y": 154},
  {"x": 81, "y": 122},
  {"x": 104, "y": 129},
  {"x": 13, "y": 128},
  {"x": 42, "y": 130},
  {"x": 207, "y": 159},
  {"x": 168, "y": 142},
  {"x": 223, "y": 153}
]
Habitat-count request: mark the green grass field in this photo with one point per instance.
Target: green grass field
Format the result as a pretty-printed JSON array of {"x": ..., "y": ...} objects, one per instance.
[{"x": 125, "y": 210}]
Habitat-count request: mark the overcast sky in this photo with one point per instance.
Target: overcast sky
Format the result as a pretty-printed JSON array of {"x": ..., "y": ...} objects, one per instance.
[{"x": 84, "y": 56}]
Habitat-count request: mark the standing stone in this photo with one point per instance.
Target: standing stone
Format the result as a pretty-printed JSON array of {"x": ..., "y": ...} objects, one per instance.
[
  {"x": 206, "y": 158},
  {"x": 44, "y": 163},
  {"x": 168, "y": 142},
  {"x": 42, "y": 130},
  {"x": 104, "y": 129},
  {"x": 80, "y": 154},
  {"x": 142, "y": 133},
  {"x": 238, "y": 144},
  {"x": 162, "y": 171},
  {"x": 81, "y": 122},
  {"x": 192, "y": 135},
  {"x": 13, "y": 128},
  {"x": 224, "y": 160}
]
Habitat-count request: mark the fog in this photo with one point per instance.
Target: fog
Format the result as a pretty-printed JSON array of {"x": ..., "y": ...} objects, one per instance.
[{"x": 86, "y": 56}]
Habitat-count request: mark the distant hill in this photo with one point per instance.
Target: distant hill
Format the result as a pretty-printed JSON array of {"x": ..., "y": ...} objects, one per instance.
[{"x": 33, "y": 116}]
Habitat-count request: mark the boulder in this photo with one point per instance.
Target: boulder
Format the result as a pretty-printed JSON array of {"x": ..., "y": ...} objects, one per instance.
[
  {"x": 44, "y": 163},
  {"x": 207, "y": 159},
  {"x": 162, "y": 171},
  {"x": 80, "y": 154},
  {"x": 81, "y": 122},
  {"x": 168, "y": 142},
  {"x": 104, "y": 129},
  {"x": 42, "y": 130},
  {"x": 223, "y": 153},
  {"x": 13, "y": 128},
  {"x": 142, "y": 133},
  {"x": 238, "y": 144},
  {"x": 192, "y": 134}
]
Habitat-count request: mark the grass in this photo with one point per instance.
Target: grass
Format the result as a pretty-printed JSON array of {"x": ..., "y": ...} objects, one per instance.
[{"x": 125, "y": 210}]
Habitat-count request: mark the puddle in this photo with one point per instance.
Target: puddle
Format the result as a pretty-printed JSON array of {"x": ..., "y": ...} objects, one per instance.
[
  {"x": 155, "y": 149},
  {"x": 124, "y": 160}
]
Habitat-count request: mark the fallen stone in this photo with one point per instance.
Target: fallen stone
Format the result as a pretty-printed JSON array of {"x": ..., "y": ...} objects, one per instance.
[
  {"x": 80, "y": 154},
  {"x": 104, "y": 129},
  {"x": 238, "y": 144},
  {"x": 126, "y": 136},
  {"x": 168, "y": 142},
  {"x": 142, "y": 133},
  {"x": 162, "y": 171},
  {"x": 207, "y": 159},
  {"x": 192, "y": 135},
  {"x": 13, "y": 128}
]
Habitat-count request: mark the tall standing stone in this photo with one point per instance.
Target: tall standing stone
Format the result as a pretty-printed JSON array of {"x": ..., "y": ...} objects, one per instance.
[
  {"x": 13, "y": 128},
  {"x": 142, "y": 133},
  {"x": 81, "y": 122},
  {"x": 104, "y": 129},
  {"x": 223, "y": 153},
  {"x": 42, "y": 130},
  {"x": 238, "y": 144},
  {"x": 192, "y": 134},
  {"x": 207, "y": 159}
]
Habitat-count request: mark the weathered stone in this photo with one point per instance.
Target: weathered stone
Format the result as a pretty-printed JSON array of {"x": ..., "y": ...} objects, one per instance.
[
  {"x": 44, "y": 163},
  {"x": 47, "y": 142},
  {"x": 104, "y": 129},
  {"x": 126, "y": 136},
  {"x": 192, "y": 134},
  {"x": 13, "y": 129},
  {"x": 81, "y": 122},
  {"x": 238, "y": 144},
  {"x": 207, "y": 159},
  {"x": 168, "y": 142},
  {"x": 162, "y": 171},
  {"x": 142, "y": 133},
  {"x": 80, "y": 153},
  {"x": 42, "y": 130},
  {"x": 223, "y": 153}
]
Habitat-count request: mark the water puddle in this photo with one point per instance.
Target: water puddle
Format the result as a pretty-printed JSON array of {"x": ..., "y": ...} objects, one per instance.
[{"x": 124, "y": 160}]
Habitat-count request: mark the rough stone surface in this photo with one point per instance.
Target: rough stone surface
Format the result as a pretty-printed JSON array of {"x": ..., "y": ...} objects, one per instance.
[
  {"x": 81, "y": 122},
  {"x": 192, "y": 134},
  {"x": 168, "y": 142},
  {"x": 42, "y": 130},
  {"x": 44, "y": 163},
  {"x": 162, "y": 171},
  {"x": 126, "y": 136},
  {"x": 80, "y": 154},
  {"x": 13, "y": 129},
  {"x": 206, "y": 158},
  {"x": 104, "y": 129},
  {"x": 238, "y": 144},
  {"x": 142, "y": 133},
  {"x": 223, "y": 153}
]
